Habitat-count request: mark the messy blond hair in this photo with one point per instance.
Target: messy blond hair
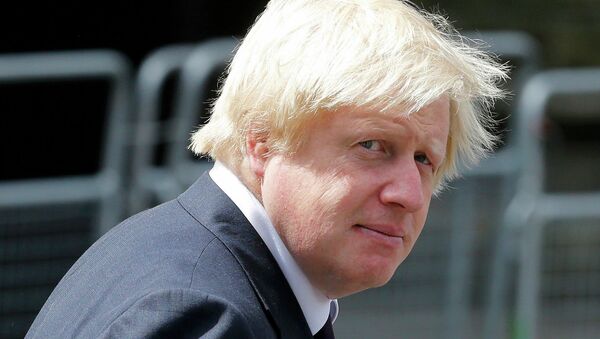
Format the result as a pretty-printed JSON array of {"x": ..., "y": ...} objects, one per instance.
[{"x": 303, "y": 58}]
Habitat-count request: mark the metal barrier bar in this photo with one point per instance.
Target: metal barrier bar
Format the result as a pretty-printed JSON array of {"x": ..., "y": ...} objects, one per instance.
[
  {"x": 203, "y": 62},
  {"x": 150, "y": 181},
  {"x": 100, "y": 64}
]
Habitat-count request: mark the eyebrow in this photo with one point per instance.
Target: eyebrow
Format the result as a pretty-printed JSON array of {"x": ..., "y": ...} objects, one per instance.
[{"x": 434, "y": 146}]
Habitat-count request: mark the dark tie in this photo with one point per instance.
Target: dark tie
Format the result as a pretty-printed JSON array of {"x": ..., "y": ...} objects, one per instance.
[{"x": 326, "y": 332}]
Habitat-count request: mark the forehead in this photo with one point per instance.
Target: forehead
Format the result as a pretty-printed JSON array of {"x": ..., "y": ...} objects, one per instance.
[{"x": 431, "y": 121}]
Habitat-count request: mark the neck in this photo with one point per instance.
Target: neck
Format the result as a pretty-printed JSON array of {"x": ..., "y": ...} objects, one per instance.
[{"x": 247, "y": 177}]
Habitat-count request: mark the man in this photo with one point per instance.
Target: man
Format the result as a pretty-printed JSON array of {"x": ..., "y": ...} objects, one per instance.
[{"x": 337, "y": 122}]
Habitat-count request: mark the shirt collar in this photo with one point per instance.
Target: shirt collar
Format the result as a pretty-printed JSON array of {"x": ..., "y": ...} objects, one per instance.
[{"x": 315, "y": 306}]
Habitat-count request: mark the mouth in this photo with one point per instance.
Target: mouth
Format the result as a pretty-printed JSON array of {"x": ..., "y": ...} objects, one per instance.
[{"x": 385, "y": 234}]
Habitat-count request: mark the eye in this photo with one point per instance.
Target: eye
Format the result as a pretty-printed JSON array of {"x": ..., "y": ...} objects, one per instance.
[
  {"x": 371, "y": 145},
  {"x": 422, "y": 158}
]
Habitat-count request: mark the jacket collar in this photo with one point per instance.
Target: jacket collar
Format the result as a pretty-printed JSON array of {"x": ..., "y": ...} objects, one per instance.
[{"x": 208, "y": 204}]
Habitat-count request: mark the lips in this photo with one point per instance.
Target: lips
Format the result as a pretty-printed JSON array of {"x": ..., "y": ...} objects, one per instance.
[
  {"x": 389, "y": 231},
  {"x": 383, "y": 236}
]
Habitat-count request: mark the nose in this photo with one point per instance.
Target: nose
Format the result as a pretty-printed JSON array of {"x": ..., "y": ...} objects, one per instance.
[{"x": 403, "y": 187}]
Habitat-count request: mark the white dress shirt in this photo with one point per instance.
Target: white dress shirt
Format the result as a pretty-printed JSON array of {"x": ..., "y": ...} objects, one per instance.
[{"x": 315, "y": 306}]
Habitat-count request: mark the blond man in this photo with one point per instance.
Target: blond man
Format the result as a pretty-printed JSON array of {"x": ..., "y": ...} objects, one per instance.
[{"x": 337, "y": 122}]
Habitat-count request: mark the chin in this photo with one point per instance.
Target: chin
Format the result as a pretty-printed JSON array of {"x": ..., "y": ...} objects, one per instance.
[
  {"x": 360, "y": 273},
  {"x": 382, "y": 279},
  {"x": 362, "y": 281}
]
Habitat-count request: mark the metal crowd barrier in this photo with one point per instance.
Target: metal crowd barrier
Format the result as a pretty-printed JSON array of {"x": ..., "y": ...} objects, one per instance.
[
  {"x": 208, "y": 60},
  {"x": 494, "y": 174},
  {"x": 47, "y": 223},
  {"x": 532, "y": 216},
  {"x": 151, "y": 182},
  {"x": 197, "y": 66}
]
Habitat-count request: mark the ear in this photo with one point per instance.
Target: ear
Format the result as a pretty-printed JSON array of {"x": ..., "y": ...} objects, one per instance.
[{"x": 257, "y": 152}]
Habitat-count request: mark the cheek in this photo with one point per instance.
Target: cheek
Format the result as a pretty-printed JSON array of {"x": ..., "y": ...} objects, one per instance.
[{"x": 307, "y": 208}]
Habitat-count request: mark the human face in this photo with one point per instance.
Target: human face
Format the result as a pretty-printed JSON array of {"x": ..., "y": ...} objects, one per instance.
[{"x": 351, "y": 202}]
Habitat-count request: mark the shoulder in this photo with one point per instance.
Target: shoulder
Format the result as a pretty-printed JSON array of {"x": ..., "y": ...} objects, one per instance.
[
  {"x": 158, "y": 235},
  {"x": 164, "y": 266},
  {"x": 148, "y": 268},
  {"x": 180, "y": 313}
]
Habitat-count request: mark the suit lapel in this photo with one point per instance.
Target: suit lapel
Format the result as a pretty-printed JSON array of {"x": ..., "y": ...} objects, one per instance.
[{"x": 208, "y": 204}]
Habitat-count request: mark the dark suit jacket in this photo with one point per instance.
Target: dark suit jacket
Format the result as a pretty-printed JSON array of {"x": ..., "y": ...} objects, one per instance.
[{"x": 192, "y": 267}]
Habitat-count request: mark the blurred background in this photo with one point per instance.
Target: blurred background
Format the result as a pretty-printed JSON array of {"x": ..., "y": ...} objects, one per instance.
[{"x": 98, "y": 100}]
